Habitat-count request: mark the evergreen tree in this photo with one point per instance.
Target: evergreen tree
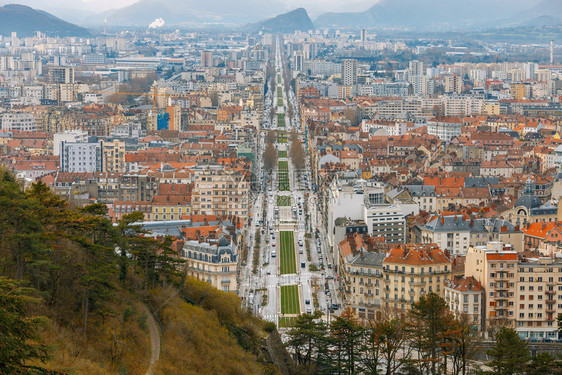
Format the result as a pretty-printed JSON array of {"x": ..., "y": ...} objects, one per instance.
[
  {"x": 429, "y": 320},
  {"x": 18, "y": 329},
  {"x": 509, "y": 354},
  {"x": 305, "y": 340},
  {"x": 346, "y": 334}
]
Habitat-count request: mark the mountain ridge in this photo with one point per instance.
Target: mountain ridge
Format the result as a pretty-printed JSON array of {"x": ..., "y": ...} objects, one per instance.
[{"x": 25, "y": 21}]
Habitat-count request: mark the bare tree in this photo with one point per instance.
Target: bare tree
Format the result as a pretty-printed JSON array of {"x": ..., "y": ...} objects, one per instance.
[
  {"x": 297, "y": 152},
  {"x": 271, "y": 137},
  {"x": 352, "y": 116},
  {"x": 214, "y": 96},
  {"x": 270, "y": 157}
]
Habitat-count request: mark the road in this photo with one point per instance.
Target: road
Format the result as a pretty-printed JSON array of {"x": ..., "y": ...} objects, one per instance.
[{"x": 261, "y": 290}]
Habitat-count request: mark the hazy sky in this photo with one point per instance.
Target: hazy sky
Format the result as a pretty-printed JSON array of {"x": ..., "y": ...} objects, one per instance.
[{"x": 101, "y": 5}]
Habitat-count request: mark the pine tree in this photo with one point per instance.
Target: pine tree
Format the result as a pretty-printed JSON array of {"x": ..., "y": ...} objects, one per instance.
[
  {"x": 18, "y": 330},
  {"x": 510, "y": 354}
]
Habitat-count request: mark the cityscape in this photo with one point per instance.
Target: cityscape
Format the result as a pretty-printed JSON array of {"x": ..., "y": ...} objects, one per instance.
[{"x": 309, "y": 187}]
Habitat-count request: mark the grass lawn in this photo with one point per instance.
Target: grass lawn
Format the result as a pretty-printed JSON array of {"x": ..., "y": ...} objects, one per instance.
[
  {"x": 283, "y": 172},
  {"x": 283, "y": 200},
  {"x": 287, "y": 254},
  {"x": 287, "y": 322},
  {"x": 280, "y": 102},
  {"x": 280, "y": 120},
  {"x": 278, "y": 78},
  {"x": 281, "y": 137},
  {"x": 282, "y": 154},
  {"x": 290, "y": 299}
]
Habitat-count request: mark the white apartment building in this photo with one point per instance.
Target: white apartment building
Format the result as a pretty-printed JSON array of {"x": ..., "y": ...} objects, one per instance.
[
  {"x": 70, "y": 136},
  {"x": 81, "y": 157},
  {"x": 349, "y": 72},
  {"x": 444, "y": 129},
  {"x": 19, "y": 121}
]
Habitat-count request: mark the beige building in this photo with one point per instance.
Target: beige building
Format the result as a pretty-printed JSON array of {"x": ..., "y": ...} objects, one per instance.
[
  {"x": 495, "y": 266},
  {"x": 361, "y": 277},
  {"x": 411, "y": 271},
  {"x": 114, "y": 156},
  {"x": 464, "y": 295},
  {"x": 539, "y": 298},
  {"x": 221, "y": 192},
  {"x": 169, "y": 207},
  {"x": 213, "y": 261}
]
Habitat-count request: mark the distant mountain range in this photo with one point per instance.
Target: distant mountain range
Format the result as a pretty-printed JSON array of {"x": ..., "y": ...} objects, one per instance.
[
  {"x": 427, "y": 15},
  {"x": 297, "y": 19},
  {"x": 433, "y": 14},
  {"x": 26, "y": 21},
  {"x": 178, "y": 12}
]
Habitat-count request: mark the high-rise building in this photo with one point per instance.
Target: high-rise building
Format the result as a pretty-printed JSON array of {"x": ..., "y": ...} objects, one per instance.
[
  {"x": 416, "y": 68},
  {"x": 363, "y": 35},
  {"x": 81, "y": 157},
  {"x": 206, "y": 59},
  {"x": 349, "y": 72},
  {"x": 453, "y": 84},
  {"x": 61, "y": 74},
  {"x": 69, "y": 136}
]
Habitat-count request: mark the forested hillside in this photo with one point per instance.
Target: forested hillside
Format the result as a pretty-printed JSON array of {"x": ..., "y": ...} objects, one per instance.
[{"x": 76, "y": 292}]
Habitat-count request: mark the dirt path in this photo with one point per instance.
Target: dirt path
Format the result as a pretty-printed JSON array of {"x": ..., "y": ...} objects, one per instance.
[{"x": 154, "y": 341}]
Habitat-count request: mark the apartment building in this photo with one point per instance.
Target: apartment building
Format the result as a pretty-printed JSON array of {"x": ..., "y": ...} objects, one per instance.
[
  {"x": 213, "y": 261},
  {"x": 464, "y": 296},
  {"x": 137, "y": 187},
  {"x": 412, "y": 270},
  {"x": 113, "y": 156},
  {"x": 349, "y": 72},
  {"x": 73, "y": 136},
  {"x": 445, "y": 129},
  {"x": 18, "y": 121},
  {"x": 539, "y": 297},
  {"x": 495, "y": 267},
  {"x": 361, "y": 276},
  {"x": 221, "y": 192},
  {"x": 81, "y": 157}
]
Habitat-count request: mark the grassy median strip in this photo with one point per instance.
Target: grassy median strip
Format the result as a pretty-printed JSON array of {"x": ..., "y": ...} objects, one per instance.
[
  {"x": 283, "y": 200},
  {"x": 287, "y": 322},
  {"x": 280, "y": 120},
  {"x": 290, "y": 300},
  {"x": 283, "y": 172},
  {"x": 281, "y": 154},
  {"x": 287, "y": 255}
]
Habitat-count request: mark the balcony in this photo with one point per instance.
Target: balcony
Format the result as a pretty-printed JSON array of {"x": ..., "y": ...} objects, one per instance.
[
  {"x": 550, "y": 292},
  {"x": 550, "y": 301},
  {"x": 417, "y": 283},
  {"x": 501, "y": 298},
  {"x": 551, "y": 283},
  {"x": 550, "y": 310}
]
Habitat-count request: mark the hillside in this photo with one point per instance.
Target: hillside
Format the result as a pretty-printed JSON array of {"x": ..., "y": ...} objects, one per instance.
[
  {"x": 425, "y": 14},
  {"x": 26, "y": 21},
  {"x": 175, "y": 12},
  {"x": 290, "y": 22},
  {"x": 76, "y": 306}
]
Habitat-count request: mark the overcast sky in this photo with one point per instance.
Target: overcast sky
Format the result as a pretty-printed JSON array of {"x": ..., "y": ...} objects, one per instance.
[{"x": 312, "y": 6}]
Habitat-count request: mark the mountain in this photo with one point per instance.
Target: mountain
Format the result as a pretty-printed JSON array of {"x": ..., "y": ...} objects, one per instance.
[
  {"x": 426, "y": 14},
  {"x": 176, "y": 12},
  {"x": 547, "y": 12},
  {"x": 297, "y": 19},
  {"x": 26, "y": 21}
]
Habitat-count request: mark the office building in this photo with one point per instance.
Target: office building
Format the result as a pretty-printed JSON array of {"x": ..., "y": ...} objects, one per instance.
[{"x": 18, "y": 121}]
